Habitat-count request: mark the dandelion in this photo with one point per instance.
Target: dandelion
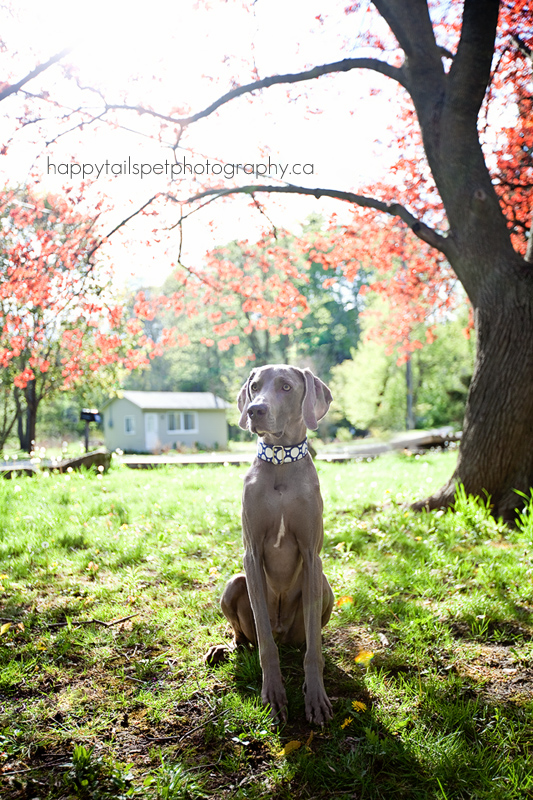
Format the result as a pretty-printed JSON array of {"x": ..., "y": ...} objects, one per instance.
[
  {"x": 347, "y": 721},
  {"x": 358, "y": 706}
]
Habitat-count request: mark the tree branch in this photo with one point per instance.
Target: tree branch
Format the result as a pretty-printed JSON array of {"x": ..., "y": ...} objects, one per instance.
[
  {"x": 13, "y": 88},
  {"x": 522, "y": 46},
  {"x": 412, "y": 29},
  {"x": 346, "y": 65},
  {"x": 470, "y": 71},
  {"x": 121, "y": 224},
  {"x": 420, "y": 229}
]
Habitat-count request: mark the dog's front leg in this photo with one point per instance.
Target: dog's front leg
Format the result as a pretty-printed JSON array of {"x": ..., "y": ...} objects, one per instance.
[
  {"x": 272, "y": 692},
  {"x": 317, "y": 705}
]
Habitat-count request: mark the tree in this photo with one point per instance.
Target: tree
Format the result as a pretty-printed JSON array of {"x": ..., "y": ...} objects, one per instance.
[
  {"x": 370, "y": 390},
  {"x": 465, "y": 221},
  {"x": 260, "y": 302},
  {"x": 468, "y": 204},
  {"x": 59, "y": 326}
]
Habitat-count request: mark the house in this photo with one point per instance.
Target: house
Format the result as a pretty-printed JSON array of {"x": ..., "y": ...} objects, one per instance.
[{"x": 146, "y": 422}]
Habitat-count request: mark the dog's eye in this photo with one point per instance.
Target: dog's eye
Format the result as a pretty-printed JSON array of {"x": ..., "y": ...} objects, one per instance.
[
  {"x": 286, "y": 387},
  {"x": 253, "y": 387}
]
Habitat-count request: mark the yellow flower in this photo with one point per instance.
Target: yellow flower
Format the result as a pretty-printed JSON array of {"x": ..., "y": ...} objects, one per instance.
[
  {"x": 347, "y": 722},
  {"x": 357, "y": 705},
  {"x": 364, "y": 657}
]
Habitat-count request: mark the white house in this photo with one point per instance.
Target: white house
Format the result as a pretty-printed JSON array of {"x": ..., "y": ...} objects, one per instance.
[{"x": 145, "y": 422}]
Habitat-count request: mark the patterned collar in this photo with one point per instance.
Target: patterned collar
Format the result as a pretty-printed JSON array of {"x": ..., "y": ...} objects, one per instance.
[{"x": 279, "y": 454}]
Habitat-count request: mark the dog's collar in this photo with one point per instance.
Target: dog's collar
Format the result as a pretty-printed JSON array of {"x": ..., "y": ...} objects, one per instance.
[{"x": 280, "y": 454}]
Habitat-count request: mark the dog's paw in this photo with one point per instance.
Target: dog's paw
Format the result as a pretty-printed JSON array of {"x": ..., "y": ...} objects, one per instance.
[
  {"x": 318, "y": 708},
  {"x": 217, "y": 654},
  {"x": 275, "y": 697}
]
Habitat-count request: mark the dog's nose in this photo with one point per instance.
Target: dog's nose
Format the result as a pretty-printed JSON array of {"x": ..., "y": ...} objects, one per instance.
[{"x": 257, "y": 410}]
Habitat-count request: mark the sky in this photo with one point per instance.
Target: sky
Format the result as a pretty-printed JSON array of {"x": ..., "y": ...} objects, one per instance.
[{"x": 183, "y": 55}]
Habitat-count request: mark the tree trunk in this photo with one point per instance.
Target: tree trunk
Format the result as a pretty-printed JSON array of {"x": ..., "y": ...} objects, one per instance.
[
  {"x": 27, "y": 431},
  {"x": 496, "y": 453}
]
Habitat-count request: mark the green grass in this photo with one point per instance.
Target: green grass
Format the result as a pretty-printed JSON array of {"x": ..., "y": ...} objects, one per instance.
[{"x": 109, "y": 600}]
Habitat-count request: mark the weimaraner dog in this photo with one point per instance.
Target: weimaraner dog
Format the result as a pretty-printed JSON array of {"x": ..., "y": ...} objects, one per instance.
[{"x": 284, "y": 595}]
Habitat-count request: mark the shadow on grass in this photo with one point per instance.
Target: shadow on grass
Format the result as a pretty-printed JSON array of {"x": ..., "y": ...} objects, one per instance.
[
  {"x": 352, "y": 756},
  {"x": 431, "y": 734}
]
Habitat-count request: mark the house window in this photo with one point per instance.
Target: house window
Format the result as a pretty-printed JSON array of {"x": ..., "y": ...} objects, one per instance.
[
  {"x": 129, "y": 424},
  {"x": 173, "y": 423},
  {"x": 181, "y": 422},
  {"x": 189, "y": 422}
]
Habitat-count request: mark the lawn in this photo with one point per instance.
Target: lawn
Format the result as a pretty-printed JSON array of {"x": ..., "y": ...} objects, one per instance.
[{"x": 109, "y": 588}]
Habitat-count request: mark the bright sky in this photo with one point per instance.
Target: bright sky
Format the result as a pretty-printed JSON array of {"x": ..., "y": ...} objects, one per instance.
[{"x": 183, "y": 54}]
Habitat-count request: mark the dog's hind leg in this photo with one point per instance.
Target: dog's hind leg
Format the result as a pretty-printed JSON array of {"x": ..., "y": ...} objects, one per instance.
[{"x": 235, "y": 605}]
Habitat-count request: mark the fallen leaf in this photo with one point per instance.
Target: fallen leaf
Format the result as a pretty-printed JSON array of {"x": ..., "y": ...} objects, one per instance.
[
  {"x": 289, "y": 747},
  {"x": 5, "y": 627},
  {"x": 364, "y": 657},
  {"x": 344, "y": 601}
]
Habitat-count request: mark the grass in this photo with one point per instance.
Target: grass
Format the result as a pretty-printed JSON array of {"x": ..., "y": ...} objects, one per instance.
[{"x": 109, "y": 589}]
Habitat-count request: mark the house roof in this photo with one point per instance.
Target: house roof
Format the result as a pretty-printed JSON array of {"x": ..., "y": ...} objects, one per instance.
[{"x": 170, "y": 401}]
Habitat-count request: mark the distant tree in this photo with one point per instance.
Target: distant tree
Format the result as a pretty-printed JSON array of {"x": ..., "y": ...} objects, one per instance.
[
  {"x": 370, "y": 390},
  {"x": 59, "y": 325},
  {"x": 331, "y": 328},
  {"x": 251, "y": 303}
]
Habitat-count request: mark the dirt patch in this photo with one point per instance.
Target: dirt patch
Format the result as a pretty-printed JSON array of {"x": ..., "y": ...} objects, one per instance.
[{"x": 498, "y": 674}]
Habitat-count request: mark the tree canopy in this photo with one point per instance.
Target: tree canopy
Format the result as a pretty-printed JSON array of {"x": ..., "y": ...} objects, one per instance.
[{"x": 460, "y": 184}]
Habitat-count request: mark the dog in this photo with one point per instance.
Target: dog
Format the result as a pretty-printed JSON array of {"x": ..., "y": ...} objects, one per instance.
[{"x": 283, "y": 595}]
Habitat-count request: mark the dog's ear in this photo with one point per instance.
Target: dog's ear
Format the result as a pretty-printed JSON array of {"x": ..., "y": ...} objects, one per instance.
[
  {"x": 317, "y": 400},
  {"x": 243, "y": 401}
]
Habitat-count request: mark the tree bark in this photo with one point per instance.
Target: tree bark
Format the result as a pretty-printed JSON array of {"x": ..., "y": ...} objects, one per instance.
[{"x": 496, "y": 453}]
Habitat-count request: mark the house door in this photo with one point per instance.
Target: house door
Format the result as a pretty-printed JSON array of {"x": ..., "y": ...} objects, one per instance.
[{"x": 150, "y": 431}]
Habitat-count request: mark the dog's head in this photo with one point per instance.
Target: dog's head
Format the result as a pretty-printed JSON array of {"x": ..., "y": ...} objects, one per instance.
[{"x": 279, "y": 398}]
